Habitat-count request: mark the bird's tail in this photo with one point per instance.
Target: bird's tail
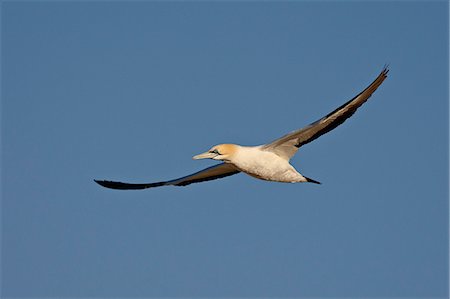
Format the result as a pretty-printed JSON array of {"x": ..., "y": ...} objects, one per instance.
[{"x": 312, "y": 181}]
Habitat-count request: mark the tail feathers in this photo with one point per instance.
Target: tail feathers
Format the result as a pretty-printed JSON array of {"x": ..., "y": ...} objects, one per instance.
[{"x": 312, "y": 181}]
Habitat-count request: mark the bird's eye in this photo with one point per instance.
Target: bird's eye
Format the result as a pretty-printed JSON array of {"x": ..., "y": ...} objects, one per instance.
[{"x": 215, "y": 152}]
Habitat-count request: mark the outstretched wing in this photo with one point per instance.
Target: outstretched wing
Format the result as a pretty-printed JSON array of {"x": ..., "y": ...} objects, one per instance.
[
  {"x": 208, "y": 174},
  {"x": 288, "y": 145}
]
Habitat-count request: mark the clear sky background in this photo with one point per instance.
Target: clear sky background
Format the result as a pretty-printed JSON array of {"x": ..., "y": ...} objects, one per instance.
[{"x": 130, "y": 91}]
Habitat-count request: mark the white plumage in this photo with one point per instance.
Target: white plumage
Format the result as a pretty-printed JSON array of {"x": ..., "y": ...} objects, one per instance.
[
  {"x": 268, "y": 162},
  {"x": 256, "y": 162}
]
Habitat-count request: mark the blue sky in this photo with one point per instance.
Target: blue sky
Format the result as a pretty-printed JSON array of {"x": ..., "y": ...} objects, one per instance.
[{"x": 131, "y": 91}]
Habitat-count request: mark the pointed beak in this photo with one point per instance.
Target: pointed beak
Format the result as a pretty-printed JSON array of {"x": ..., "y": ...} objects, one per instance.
[{"x": 206, "y": 155}]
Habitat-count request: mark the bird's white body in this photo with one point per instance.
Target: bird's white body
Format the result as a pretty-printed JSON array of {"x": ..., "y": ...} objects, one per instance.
[
  {"x": 270, "y": 161},
  {"x": 265, "y": 165}
]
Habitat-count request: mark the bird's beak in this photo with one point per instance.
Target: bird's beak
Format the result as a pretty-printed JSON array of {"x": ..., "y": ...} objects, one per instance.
[{"x": 206, "y": 155}]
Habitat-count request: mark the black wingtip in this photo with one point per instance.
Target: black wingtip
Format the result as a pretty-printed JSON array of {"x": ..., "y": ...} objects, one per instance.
[
  {"x": 385, "y": 70},
  {"x": 128, "y": 186},
  {"x": 102, "y": 183}
]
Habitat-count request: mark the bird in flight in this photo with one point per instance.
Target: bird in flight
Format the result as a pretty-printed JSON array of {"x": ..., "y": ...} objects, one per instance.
[{"x": 268, "y": 162}]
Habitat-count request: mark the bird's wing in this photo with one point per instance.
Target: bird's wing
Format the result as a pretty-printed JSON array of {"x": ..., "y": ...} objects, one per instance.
[
  {"x": 288, "y": 145},
  {"x": 208, "y": 174}
]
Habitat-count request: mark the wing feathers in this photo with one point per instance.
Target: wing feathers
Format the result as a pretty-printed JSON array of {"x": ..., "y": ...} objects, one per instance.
[
  {"x": 288, "y": 145},
  {"x": 127, "y": 186},
  {"x": 208, "y": 174}
]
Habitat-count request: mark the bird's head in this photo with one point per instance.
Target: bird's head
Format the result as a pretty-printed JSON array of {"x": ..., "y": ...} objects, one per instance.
[{"x": 222, "y": 152}]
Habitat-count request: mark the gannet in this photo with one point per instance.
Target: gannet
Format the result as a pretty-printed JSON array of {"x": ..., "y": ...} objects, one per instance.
[{"x": 268, "y": 162}]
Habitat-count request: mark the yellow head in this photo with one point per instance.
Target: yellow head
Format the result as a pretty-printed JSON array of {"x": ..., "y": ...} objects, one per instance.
[{"x": 222, "y": 152}]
